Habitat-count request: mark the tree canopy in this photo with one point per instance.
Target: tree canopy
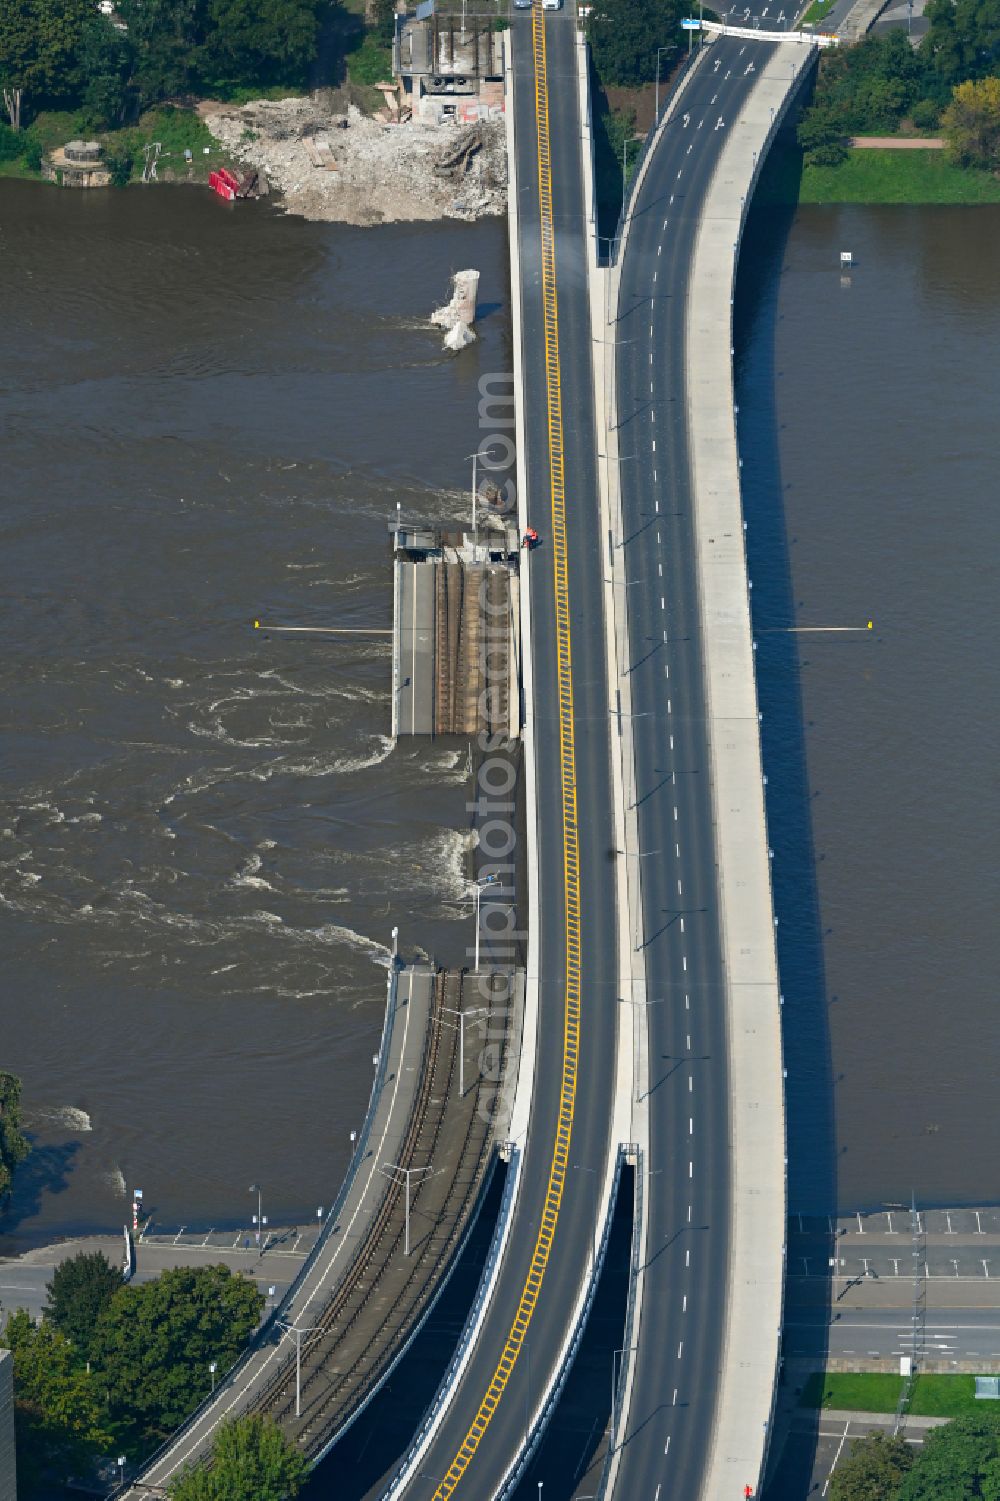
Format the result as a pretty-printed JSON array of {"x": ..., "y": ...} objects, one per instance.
[
  {"x": 251, "y": 1461},
  {"x": 61, "y": 1422},
  {"x": 81, "y": 1289},
  {"x": 958, "y": 1462},
  {"x": 155, "y": 1340},
  {"x": 971, "y": 124},
  {"x": 63, "y": 51},
  {"x": 13, "y": 1146},
  {"x": 872, "y": 1470},
  {"x": 624, "y": 36},
  {"x": 962, "y": 39}
]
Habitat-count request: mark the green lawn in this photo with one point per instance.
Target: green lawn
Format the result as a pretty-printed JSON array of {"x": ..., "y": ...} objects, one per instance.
[
  {"x": 932, "y": 1396},
  {"x": 947, "y": 1397},
  {"x": 852, "y": 1392},
  {"x": 887, "y": 176},
  {"x": 817, "y": 12}
]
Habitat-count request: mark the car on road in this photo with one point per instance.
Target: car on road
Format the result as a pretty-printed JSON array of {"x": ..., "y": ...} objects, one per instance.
[
  {"x": 551, "y": 4},
  {"x": 523, "y": 4}
]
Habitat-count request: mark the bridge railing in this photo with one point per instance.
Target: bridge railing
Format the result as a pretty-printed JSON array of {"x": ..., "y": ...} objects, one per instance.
[
  {"x": 540, "y": 1420},
  {"x": 265, "y": 1334}
]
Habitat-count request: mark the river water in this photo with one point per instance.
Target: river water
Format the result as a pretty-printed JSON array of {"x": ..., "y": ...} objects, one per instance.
[
  {"x": 868, "y": 407},
  {"x": 207, "y": 413}
]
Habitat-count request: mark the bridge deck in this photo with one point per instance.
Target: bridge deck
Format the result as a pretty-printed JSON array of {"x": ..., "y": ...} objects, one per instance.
[{"x": 360, "y": 1297}]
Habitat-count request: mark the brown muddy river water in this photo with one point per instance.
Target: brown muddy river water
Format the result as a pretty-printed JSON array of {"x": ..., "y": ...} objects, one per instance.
[{"x": 207, "y": 413}]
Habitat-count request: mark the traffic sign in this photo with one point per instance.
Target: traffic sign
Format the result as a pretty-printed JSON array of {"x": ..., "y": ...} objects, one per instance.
[{"x": 691, "y": 25}]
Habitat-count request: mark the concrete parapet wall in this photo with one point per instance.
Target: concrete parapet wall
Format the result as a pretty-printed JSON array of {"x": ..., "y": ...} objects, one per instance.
[
  {"x": 747, "y": 1380},
  {"x": 860, "y": 19}
]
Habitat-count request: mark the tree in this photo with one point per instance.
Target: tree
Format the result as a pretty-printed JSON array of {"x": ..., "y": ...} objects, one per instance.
[
  {"x": 166, "y": 36},
  {"x": 107, "y": 61},
  {"x": 259, "y": 42},
  {"x": 963, "y": 38},
  {"x": 80, "y": 1290},
  {"x": 38, "y": 50},
  {"x": 61, "y": 1422},
  {"x": 624, "y": 36},
  {"x": 154, "y": 1342},
  {"x": 13, "y": 1146},
  {"x": 874, "y": 1469},
  {"x": 959, "y": 1462},
  {"x": 251, "y": 1461},
  {"x": 971, "y": 124},
  {"x": 822, "y": 138}
]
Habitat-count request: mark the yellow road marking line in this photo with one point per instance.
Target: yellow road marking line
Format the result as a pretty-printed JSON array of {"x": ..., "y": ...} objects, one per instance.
[{"x": 567, "y": 756}]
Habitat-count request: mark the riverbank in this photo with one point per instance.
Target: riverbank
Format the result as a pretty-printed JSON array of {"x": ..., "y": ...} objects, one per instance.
[
  {"x": 334, "y": 163},
  {"x": 327, "y": 158},
  {"x": 874, "y": 176}
]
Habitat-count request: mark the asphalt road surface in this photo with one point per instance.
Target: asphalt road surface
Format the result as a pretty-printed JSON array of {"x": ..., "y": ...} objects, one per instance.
[
  {"x": 570, "y": 1257},
  {"x": 666, "y": 1441}
]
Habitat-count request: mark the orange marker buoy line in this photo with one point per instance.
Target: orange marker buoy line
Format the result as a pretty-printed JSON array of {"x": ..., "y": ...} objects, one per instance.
[
  {"x": 324, "y": 630},
  {"x": 811, "y": 630}
]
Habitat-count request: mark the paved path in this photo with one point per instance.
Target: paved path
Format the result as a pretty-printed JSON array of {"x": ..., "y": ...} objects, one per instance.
[
  {"x": 23, "y": 1279},
  {"x": 897, "y": 143}
]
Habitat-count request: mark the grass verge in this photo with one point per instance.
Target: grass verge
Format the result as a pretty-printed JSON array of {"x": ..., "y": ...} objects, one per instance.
[
  {"x": 933, "y": 1396},
  {"x": 886, "y": 176},
  {"x": 852, "y": 1392},
  {"x": 176, "y": 129},
  {"x": 873, "y": 176}
]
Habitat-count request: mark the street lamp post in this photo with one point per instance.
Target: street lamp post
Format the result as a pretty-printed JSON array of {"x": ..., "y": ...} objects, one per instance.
[
  {"x": 656, "y": 115},
  {"x": 479, "y": 1011},
  {"x": 213, "y": 1366},
  {"x": 408, "y": 1173},
  {"x": 258, "y": 1218},
  {"x": 483, "y": 881},
  {"x": 293, "y": 1329},
  {"x": 480, "y": 453},
  {"x": 625, "y": 146}
]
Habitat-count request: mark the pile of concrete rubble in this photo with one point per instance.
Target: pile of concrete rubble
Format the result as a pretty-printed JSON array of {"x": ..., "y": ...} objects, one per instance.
[{"x": 358, "y": 170}]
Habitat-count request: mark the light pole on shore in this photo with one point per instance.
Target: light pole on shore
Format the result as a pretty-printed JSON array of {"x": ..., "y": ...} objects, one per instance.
[
  {"x": 258, "y": 1218},
  {"x": 656, "y": 114}
]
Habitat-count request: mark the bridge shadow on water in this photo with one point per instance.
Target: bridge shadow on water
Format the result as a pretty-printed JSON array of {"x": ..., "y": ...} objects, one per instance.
[
  {"x": 780, "y": 663},
  {"x": 362, "y": 1462}
]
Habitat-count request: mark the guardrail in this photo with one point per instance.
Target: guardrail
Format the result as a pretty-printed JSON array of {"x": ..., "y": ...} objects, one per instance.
[
  {"x": 540, "y": 1420},
  {"x": 459, "y": 1359},
  {"x": 265, "y": 1334},
  {"x": 630, "y": 1310}
]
